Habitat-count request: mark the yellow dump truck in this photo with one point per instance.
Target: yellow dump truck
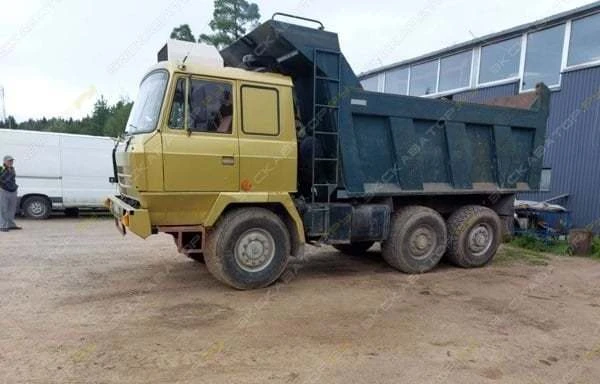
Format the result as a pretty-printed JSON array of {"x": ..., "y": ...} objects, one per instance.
[{"x": 245, "y": 164}]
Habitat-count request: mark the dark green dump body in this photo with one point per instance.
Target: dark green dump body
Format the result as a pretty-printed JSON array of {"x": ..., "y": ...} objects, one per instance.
[{"x": 371, "y": 144}]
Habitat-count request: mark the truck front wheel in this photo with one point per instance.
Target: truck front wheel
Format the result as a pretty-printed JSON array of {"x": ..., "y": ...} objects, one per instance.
[
  {"x": 248, "y": 248},
  {"x": 417, "y": 240},
  {"x": 474, "y": 234}
]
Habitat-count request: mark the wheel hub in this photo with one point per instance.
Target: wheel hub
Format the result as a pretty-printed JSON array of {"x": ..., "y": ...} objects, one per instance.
[
  {"x": 36, "y": 208},
  {"x": 480, "y": 239},
  {"x": 254, "y": 250},
  {"x": 422, "y": 241}
]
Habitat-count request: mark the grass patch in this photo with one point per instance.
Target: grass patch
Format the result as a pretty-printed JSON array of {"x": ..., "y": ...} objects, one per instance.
[
  {"x": 535, "y": 251},
  {"x": 508, "y": 254}
]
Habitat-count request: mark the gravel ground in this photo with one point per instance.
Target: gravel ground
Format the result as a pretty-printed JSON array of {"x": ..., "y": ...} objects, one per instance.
[{"x": 80, "y": 303}]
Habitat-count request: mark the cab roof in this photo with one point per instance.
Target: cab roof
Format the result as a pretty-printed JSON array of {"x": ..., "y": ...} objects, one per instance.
[{"x": 224, "y": 72}]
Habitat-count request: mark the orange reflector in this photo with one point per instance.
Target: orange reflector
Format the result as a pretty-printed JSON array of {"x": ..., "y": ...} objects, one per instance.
[{"x": 125, "y": 220}]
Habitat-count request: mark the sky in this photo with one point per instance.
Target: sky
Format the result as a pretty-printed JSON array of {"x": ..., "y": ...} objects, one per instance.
[{"x": 58, "y": 56}]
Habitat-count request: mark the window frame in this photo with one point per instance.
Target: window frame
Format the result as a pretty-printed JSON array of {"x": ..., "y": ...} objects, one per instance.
[
  {"x": 163, "y": 104},
  {"x": 506, "y": 80},
  {"x": 400, "y": 68},
  {"x": 524, "y": 58},
  {"x": 188, "y": 79},
  {"x": 568, "y": 36},
  {"x": 477, "y": 51},
  {"x": 469, "y": 81},
  {"x": 437, "y": 76},
  {"x": 548, "y": 189},
  {"x": 242, "y": 110},
  {"x": 375, "y": 79},
  {"x": 176, "y": 79}
]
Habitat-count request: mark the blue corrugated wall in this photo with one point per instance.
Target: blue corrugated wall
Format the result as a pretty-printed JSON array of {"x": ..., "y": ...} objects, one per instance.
[
  {"x": 572, "y": 144},
  {"x": 483, "y": 94}
]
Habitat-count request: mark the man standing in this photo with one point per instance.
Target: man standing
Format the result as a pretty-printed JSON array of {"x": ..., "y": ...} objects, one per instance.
[{"x": 8, "y": 195}]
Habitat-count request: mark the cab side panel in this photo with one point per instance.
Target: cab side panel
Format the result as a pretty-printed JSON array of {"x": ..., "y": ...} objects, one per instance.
[{"x": 268, "y": 149}]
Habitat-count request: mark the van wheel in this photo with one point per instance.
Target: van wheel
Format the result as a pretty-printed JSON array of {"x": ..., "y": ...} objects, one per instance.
[
  {"x": 356, "y": 248},
  {"x": 417, "y": 240},
  {"x": 474, "y": 235},
  {"x": 36, "y": 207},
  {"x": 248, "y": 248}
]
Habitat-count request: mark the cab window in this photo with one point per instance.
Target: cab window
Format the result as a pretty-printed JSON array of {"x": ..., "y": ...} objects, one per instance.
[
  {"x": 260, "y": 110},
  {"x": 209, "y": 106}
]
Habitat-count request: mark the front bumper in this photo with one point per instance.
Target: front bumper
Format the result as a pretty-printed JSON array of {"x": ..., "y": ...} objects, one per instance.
[{"x": 128, "y": 217}]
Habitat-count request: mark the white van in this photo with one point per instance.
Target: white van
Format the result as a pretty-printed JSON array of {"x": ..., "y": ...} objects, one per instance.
[{"x": 59, "y": 171}]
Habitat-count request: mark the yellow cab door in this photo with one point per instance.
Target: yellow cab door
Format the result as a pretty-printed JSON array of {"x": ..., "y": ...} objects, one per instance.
[
  {"x": 200, "y": 142},
  {"x": 268, "y": 149}
]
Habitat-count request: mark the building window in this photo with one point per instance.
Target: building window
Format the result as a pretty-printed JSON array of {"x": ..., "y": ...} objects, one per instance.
[
  {"x": 584, "y": 46},
  {"x": 543, "y": 57},
  {"x": 396, "y": 81},
  {"x": 370, "y": 83},
  {"x": 423, "y": 78},
  {"x": 545, "y": 179},
  {"x": 500, "y": 61},
  {"x": 455, "y": 71}
]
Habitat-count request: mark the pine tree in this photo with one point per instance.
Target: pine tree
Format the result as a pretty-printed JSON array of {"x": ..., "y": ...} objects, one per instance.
[
  {"x": 230, "y": 19},
  {"x": 183, "y": 32}
]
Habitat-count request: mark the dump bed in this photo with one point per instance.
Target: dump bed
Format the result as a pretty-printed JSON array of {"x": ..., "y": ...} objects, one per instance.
[
  {"x": 400, "y": 144},
  {"x": 369, "y": 143}
]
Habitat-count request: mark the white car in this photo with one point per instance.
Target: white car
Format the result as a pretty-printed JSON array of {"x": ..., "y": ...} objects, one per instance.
[{"x": 59, "y": 171}]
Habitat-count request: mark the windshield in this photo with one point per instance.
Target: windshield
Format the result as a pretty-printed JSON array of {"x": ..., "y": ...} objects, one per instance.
[{"x": 145, "y": 111}]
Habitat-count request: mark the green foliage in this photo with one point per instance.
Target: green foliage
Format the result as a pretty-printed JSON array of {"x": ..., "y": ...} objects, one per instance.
[
  {"x": 10, "y": 122},
  {"x": 508, "y": 254},
  {"x": 230, "y": 20},
  {"x": 117, "y": 120},
  {"x": 105, "y": 120},
  {"x": 595, "y": 250},
  {"x": 559, "y": 247},
  {"x": 183, "y": 32}
]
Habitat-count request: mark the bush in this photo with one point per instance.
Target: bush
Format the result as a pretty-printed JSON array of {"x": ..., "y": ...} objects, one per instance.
[
  {"x": 560, "y": 247},
  {"x": 595, "y": 250}
]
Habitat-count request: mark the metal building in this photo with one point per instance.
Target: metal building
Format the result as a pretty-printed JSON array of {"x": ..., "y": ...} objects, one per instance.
[{"x": 563, "y": 51}]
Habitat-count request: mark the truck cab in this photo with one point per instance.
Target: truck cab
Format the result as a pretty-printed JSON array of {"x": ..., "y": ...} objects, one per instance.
[{"x": 199, "y": 139}]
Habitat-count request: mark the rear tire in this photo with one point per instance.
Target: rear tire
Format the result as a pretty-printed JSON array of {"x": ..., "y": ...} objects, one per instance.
[
  {"x": 248, "y": 248},
  {"x": 417, "y": 240},
  {"x": 356, "y": 248},
  {"x": 36, "y": 207},
  {"x": 474, "y": 234}
]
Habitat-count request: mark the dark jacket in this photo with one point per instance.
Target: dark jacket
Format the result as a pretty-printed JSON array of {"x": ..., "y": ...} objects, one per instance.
[{"x": 7, "y": 179}]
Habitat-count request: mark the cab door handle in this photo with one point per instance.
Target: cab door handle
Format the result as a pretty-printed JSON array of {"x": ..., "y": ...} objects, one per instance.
[{"x": 227, "y": 160}]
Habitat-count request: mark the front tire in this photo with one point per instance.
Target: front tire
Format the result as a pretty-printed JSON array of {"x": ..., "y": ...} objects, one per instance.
[
  {"x": 248, "y": 248},
  {"x": 417, "y": 240},
  {"x": 474, "y": 234},
  {"x": 36, "y": 207}
]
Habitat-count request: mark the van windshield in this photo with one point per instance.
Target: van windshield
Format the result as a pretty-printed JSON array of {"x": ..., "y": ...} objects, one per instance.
[{"x": 146, "y": 109}]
